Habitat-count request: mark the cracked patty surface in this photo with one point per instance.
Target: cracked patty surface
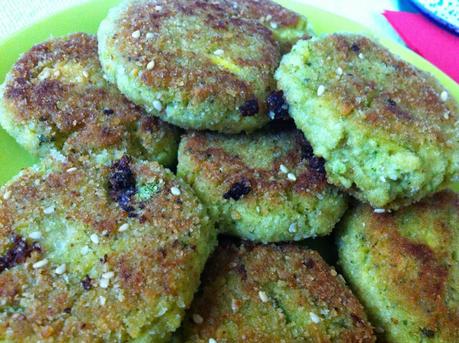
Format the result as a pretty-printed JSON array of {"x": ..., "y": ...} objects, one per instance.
[
  {"x": 196, "y": 64},
  {"x": 389, "y": 132},
  {"x": 56, "y": 97},
  {"x": 98, "y": 251},
  {"x": 267, "y": 186},
  {"x": 273, "y": 293}
]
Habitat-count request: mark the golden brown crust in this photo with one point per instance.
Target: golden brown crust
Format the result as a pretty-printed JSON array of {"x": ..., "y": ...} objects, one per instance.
[
  {"x": 265, "y": 10},
  {"x": 224, "y": 168},
  {"x": 68, "y": 107},
  {"x": 414, "y": 250},
  {"x": 154, "y": 259},
  {"x": 59, "y": 84},
  {"x": 237, "y": 274},
  {"x": 382, "y": 92},
  {"x": 188, "y": 68}
]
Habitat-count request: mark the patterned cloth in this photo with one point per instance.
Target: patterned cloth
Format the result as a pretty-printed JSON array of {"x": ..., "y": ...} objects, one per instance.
[{"x": 18, "y": 14}]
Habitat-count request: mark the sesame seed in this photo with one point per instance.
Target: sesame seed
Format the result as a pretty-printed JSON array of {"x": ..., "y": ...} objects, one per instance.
[
  {"x": 7, "y": 195},
  {"x": 212, "y": 340},
  {"x": 40, "y": 264},
  {"x": 379, "y": 210},
  {"x": 269, "y": 17},
  {"x": 339, "y": 71},
  {"x": 35, "y": 235},
  {"x": 44, "y": 75},
  {"x": 150, "y": 65},
  {"x": 104, "y": 282},
  {"x": 292, "y": 228},
  {"x": 175, "y": 191},
  {"x": 102, "y": 300},
  {"x": 444, "y": 96},
  {"x": 314, "y": 317},
  {"x": 274, "y": 25},
  {"x": 291, "y": 177},
  {"x": 136, "y": 34},
  {"x": 61, "y": 269},
  {"x": 283, "y": 169},
  {"x": 71, "y": 170},
  {"x": 361, "y": 56},
  {"x": 85, "y": 74},
  {"x": 219, "y": 52},
  {"x": 446, "y": 115},
  {"x": 85, "y": 250},
  {"x": 108, "y": 275},
  {"x": 234, "y": 305},
  {"x": 197, "y": 319},
  {"x": 123, "y": 227},
  {"x": 263, "y": 296},
  {"x": 48, "y": 210},
  {"x": 320, "y": 90},
  {"x": 157, "y": 105},
  {"x": 333, "y": 272},
  {"x": 149, "y": 35},
  {"x": 94, "y": 238}
]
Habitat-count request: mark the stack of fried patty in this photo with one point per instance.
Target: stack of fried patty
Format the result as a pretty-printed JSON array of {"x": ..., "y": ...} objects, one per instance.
[{"x": 276, "y": 136}]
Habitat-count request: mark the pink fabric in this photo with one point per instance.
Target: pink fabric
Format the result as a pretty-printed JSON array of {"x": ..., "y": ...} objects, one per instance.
[{"x": 435, "y": 44}]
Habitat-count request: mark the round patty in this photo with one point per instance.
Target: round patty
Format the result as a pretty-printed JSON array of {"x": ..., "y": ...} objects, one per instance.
[
  {"x": 387, "y": 131},
  {"x": 269, "y": 293},
  {"x": 56, "y": 97},
  {"x": 98, "y": 251},
  {"x": 265, "y": 187},
  {"x": 404, "y": 267},
  {"x": 196, "y": 64}
]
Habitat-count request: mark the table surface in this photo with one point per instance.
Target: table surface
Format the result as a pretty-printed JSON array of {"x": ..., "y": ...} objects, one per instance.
[{"x": 18, "y": 14}]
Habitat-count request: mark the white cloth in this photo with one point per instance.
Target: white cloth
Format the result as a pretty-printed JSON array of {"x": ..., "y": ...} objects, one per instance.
[{"x": 18, "y": 14}]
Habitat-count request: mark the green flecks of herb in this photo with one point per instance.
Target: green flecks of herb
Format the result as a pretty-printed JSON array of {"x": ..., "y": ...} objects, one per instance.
[{"x": 148, "y": 190}]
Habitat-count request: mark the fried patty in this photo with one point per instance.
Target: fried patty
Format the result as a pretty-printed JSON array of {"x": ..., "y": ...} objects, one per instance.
[
  {"x": 56, "y": 97},
  {"x": 96, "y": 250},
  {"x": 389, "y": 132},
  {"x": 266, "y": 187},
  {"x": 404, "y": 268},
  {"x": 196, "y": 64},
  {"x": 287, "y": 26},
  {"x": 269, "y": 293}
]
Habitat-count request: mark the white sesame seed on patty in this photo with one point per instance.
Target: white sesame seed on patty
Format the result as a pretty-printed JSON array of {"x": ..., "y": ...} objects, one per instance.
[
  {"x": 291, "y": 177},
  {"x": 123, "y": 227},
  {"x": 320, "y": 90},
  {"x": 61, "y": 269},
  {"x": 136, "y": 34},
  {"x": 35, "y": 235},
  {"x": 40, "y": 264},
  {"x": 175, "y": 191},
  {"x": 444, "y": 96},
  {"x": 197, "y": 319},
  {"x": 263, "y": 296},
  {"x": 314, "y": 317},
  {"x": 157, "y": 105}
]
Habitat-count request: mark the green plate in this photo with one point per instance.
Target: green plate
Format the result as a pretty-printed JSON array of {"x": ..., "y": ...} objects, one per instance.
[{"x": 86, "y": 18}]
